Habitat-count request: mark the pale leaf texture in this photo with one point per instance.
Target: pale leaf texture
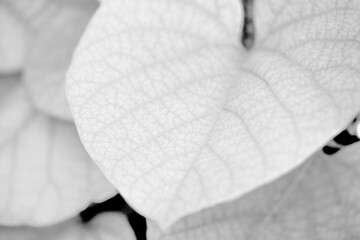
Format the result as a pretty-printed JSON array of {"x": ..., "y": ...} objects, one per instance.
[
  {"x": 107, "y": 226},
  {"x": 46, "y": 175},
  {"x": 180, "y": 118},
  {"x": 319, "y": 200}
]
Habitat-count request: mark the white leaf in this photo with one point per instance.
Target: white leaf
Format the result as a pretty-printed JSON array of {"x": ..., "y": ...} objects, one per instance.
[{"x": 180, "y": 118}]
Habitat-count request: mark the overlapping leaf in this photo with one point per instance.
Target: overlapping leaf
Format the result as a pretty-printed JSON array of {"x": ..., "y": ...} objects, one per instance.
[
  {"x": 53, "y": 30},
  {"x": 319, "y": 200},
  {"x": 180, "y": 118},
  {"x": 45, "y": 174}
]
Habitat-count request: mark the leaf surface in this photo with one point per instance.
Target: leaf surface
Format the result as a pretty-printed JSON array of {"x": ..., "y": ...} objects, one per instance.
[
  {"x": 45, "y": 174},
  {"x": 180, "y": 118},
  {"x": 319, "y": 200}
]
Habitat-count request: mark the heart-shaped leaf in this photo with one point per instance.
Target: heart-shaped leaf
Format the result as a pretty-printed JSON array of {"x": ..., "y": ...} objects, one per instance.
[
  {"x": 45, "y": 174},
  {"x": 180, "y": 117},
  {"x": 320, "y": 200}
]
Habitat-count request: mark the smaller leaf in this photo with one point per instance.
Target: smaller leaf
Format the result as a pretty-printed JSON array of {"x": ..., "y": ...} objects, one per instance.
[
  {"x": 45, "y": 174},
  {"x": 54, "y": 31},
  {"x": 108, "y": 226}
]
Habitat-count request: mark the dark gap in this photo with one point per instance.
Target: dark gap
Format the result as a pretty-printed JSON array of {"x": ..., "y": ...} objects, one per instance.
[
  {"x": 116, "y": 204},
  {"x": 138, "y": 224},
  {"x": 330, "y": 150},
  {"x": 345, "y": 138},
  {"x": 248, "y": 31}
]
